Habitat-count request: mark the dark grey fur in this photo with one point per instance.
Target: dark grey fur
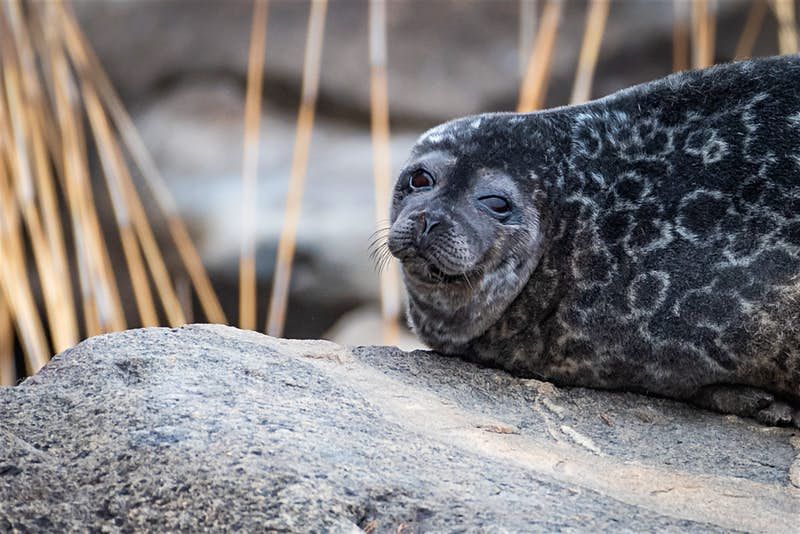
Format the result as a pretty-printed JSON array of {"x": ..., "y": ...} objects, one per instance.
[{"x": 653, "y": 245}]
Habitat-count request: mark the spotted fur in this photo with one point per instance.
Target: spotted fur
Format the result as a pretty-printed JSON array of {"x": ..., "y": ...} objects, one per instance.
[{"x": 667, "y": 252}]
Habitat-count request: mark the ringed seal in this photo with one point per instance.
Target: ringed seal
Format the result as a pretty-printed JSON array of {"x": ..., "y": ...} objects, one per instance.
[{"x": 647, "y": 241}]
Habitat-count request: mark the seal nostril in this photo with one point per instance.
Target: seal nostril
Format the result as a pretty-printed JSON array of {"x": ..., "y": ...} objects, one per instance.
[
  {"x": 429, "y": 226},
  {"x": 425, "y": 223}
]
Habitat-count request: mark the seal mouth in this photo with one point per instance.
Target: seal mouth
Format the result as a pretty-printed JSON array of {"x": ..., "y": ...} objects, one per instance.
[
  {"x": 425, "y": 270},
  {"x": 441, "y": 276}
]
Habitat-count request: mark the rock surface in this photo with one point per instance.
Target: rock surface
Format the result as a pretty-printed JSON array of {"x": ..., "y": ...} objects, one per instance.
[{"x": 210, "y": 427}]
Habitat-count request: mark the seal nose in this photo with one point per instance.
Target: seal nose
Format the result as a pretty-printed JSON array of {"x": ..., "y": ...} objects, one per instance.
[{"x": 425, "y": 222}]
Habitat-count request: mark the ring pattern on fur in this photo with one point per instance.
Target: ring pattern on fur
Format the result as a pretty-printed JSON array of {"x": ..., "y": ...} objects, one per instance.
[{"x": 670, "y": 220}]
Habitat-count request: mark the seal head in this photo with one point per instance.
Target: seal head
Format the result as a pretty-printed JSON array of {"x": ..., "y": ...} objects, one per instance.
[{"x": 466, "y": 233}]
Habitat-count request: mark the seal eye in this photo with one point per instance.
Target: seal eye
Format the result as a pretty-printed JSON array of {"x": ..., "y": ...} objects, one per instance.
[
  {"x": 420, "y": 179},
  {"x": 498, "y": 205}
]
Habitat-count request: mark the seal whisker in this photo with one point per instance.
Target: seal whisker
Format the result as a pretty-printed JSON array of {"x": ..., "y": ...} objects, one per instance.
[
  {"x": 380, "y": 258},
  {"x": 466, "y": 278},
  {"x": 380, "y": 231},
  {"x": 387, "y": 257},
  {"x": 377, "y": 242}
]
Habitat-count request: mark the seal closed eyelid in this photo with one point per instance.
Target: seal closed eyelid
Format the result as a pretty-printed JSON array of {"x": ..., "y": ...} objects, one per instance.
[{"x": 497, "y": 204}]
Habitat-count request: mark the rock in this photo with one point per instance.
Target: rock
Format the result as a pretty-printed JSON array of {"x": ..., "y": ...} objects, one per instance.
[
  {"x": 211, "y": 428},
  {"x": 446, "y": 58}
]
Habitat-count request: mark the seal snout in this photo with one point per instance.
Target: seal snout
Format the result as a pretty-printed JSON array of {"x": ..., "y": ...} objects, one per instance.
[
  {"x": 428, "y": 245},
  {"x": 416, "y": 233}
]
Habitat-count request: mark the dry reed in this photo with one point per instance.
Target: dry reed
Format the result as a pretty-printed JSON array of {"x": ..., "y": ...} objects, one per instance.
[
  {"x": 305, "y": 121},
  {"x": 45, "y": 231},
  {"x": 14, "y": 279},
  {"x": 101, "y": 302},
  {"x": 596, "y": 16},
  {"x": 113, "y": 168},
  {"x": 703, "y": 33},
  {"x": 150, "y": 174},
  {"x": 534, "y": 84},
  {"x": 50, "y": 82},
  {"x": 680, "y": 35},
  {"x": 752, "y": 27},
  {"x": 8, "y": 375},
  {"x": 527, "y": 33},
  {"x": 787, "y": 26},
  {"x": 382, "y": 168},
  {"x": 252, "y": 120}
]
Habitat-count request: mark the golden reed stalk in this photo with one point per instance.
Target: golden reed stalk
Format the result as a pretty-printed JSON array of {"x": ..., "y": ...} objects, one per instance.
[
  {"x": 534, "y": 84},
  {"x": 50, "y": 81},
  {"x": 152, "y": 177},
  {"x": 252, "y": 121},
  {"x": 680, "y": 35},
  {"x": 382, "y": 167},
  {"x": 596, "y": 16},
  {"x": 20, "y": 138},
  {"x": 14, "y": 281},
  {"x": 102, "y": 304},
  {"x": 305, "y": 122},
  {"x": 787, "y": 26},
  {"x": 8, "y": 375},
  {"x": 528, "y": 16},
  {"x": 703, "y": 33},
  {"x": 128, "y": 206},
  {"x": 752, "y": 27}
]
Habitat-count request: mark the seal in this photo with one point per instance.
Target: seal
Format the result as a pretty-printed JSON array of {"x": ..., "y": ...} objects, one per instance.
[{"x": 647, "y": 241}]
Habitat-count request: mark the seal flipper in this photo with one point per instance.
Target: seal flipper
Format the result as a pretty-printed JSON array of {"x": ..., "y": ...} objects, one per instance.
[
  {"x": 746, "y": 401},
  {"x": 778, "y": 414}
]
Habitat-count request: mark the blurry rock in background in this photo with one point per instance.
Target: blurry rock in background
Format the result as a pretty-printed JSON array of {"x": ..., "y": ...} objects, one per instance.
[
  {"x": 181, "y": 68},
  {"x": 363, "y": 326}
]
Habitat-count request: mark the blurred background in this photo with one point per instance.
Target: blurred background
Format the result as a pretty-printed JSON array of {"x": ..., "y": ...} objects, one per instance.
[{"x": 180, "y": 68}]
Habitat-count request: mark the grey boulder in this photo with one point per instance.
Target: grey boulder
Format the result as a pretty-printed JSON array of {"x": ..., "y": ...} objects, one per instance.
[{"x": 209, "y": 427}]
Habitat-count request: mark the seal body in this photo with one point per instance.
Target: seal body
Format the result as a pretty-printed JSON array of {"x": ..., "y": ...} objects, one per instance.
[{"x": 651, "y": 241}]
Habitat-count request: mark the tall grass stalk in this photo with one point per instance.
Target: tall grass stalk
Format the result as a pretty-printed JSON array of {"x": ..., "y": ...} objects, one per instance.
[
  {"x": 8, "y": 375},
  {"x": 50, "y": 84},
  {"x": 703, "y": 33},
  {"x": 596, "y": 16},
  {"x": 787, "y": 26},
  {"x": 533, "y": 89},
  {"x": 141, "y": 157},
  {"x": 382, "y": 167},
  {"x": 305, "y": 122},
  {"x": 252, "y": 121},
  {"x": 680, "y": 35},
  {"x": 752, "y": 27},
  {"x": 528, "y": 16}
]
